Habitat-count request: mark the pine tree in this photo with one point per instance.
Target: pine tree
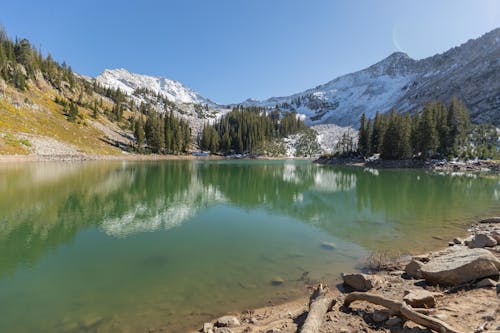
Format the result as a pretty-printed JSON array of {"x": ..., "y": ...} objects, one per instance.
[
  {"x": 427, "y": 131},
  {"x": 139, "y": 133},
  {"x": 364, "y": 140}
]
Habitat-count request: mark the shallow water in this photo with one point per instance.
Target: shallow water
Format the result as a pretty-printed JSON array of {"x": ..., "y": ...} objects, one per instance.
[{"x": 128, "y": 246}]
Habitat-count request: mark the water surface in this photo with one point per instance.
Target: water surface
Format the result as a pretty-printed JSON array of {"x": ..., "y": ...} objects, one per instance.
[{"x": 129, "y": 246}]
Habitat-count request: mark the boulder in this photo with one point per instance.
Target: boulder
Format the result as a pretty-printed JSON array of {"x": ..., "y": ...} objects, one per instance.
[
  {"x": 458, "y": 265},
  {"x": 228, "y": 321},
  {"x": 495, "y": 219},
  {"x": 359, "y": 281},
  {"x": 420, "y": 299},
  {"x": 482, "y": 240},
  {"x": 413, "y": 269},
  {"x": 457, "y": 240}
]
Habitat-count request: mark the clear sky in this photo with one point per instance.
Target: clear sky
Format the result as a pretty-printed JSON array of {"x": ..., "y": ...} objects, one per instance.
[{"x": 230, "y": 50}]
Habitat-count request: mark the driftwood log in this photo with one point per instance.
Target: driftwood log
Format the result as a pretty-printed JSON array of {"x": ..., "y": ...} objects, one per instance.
[
  {"x": 319, "y": 303},
  {"x": 403, "y": 310}
]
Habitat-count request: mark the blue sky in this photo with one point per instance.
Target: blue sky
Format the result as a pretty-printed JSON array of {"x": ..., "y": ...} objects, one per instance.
[{"x": 230, "y": 50}]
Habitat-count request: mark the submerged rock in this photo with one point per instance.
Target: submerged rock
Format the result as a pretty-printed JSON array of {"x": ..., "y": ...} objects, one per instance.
[
  {"x": 359, "y": 281},
  {"x": 277, "y": 280},
  {"x": 420, "y": 299},
  {"x": 459, "y": 265},
  {"x": 328, "y": 246}
]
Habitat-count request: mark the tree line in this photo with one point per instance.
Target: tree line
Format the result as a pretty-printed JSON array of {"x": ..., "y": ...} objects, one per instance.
[
  {"x": 20, "y": 61},
  {"x": 247, "y": 129},
  {"x": 439, "y": 130},
  {"x": 161, "y": 133}
]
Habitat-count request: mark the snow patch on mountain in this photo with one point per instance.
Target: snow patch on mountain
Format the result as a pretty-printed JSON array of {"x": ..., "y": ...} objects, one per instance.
[{"x": 128, "y": 82}]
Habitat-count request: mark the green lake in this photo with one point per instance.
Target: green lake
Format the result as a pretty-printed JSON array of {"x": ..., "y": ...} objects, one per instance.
[{"x": 128, "y": 246}]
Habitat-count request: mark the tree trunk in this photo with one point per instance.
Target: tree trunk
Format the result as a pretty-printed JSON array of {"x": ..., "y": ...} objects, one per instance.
[{"x": 319, "y": 303}]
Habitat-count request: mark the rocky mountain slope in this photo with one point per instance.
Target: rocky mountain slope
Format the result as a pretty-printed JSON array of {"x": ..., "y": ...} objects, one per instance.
[{"x": 470, "y": 71}]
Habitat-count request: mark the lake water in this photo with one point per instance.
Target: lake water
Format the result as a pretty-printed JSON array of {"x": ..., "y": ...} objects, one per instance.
[{"x": 129, "y": 246}]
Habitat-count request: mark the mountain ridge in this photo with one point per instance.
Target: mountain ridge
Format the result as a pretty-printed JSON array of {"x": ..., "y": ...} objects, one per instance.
[{"x": 403, "y": 83}]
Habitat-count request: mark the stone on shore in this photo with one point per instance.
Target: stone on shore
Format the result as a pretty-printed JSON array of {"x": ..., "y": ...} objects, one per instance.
[
  {"x": 482, "y": 240},
  {"x": 208, "y": 328},
  {"x": 420, "y": 299},
  {"x": 359, "y": 281},
  {"x": 380, "y": 315},
  {"x": 413, "y": 269},
  {"x": 459, "y": 265},
  {"x": 228, "y": 321}
]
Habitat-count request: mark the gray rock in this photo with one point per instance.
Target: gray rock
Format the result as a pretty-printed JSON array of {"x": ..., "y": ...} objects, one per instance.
[
  {"x": 413, "y": 269},
  {"x": 359, "y": 281},
  {"x": 459, "y": 265},
  {"x": 420, "y": 299},
  {"x": 228, "y": 321},
  {"x": 495, "y": 219},
  {"x": 496, "y": 235},
  {"x": 485, "y": 283},
  {"x": 482, "y": 240},
  {"x": 380, "y": 316},
  {"x": 394, "y": 321},
  {"x": 457, "y": 240}
]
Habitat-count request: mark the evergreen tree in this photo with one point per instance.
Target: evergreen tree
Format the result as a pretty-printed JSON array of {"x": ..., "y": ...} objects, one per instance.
[
  {"x": 427, "y": 131},
  {"x": 364, "y": 140},
  {"x": 139, "y": 133}
]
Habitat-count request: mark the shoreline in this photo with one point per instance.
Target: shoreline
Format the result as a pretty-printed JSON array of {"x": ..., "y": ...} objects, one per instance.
[
  {"x": 397, "y": 278},
  {"x": 131, "y": 157},
  {"x": 447, "y": 166}
]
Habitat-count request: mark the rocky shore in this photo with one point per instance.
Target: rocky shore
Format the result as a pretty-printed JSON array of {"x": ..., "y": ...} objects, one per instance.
[
  {"x": 438, "y": 165},
  {"x": 455, "y": 289}
]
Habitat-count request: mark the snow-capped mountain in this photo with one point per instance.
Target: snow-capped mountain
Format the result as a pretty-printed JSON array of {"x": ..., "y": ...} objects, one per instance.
[
  {"x": 128, "y": 83},
  {"x": 186, "y": 103},
  {"x": 470, "y": 72}
]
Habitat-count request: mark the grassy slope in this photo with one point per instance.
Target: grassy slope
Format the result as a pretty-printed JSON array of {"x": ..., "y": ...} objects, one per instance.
[{"x": 34, "y": 112}]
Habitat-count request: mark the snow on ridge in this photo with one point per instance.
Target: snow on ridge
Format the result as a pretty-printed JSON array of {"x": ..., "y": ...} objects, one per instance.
[{"x": 128, "y": 82}]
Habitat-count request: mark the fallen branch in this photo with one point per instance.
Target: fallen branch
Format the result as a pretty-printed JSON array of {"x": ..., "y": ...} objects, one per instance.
[
  {"x": 401, "y": 309},
  {"x": 319, "y": 303}
]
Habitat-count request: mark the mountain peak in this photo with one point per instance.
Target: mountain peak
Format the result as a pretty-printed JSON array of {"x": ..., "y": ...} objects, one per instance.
[{"x": 128, "y": 82}]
